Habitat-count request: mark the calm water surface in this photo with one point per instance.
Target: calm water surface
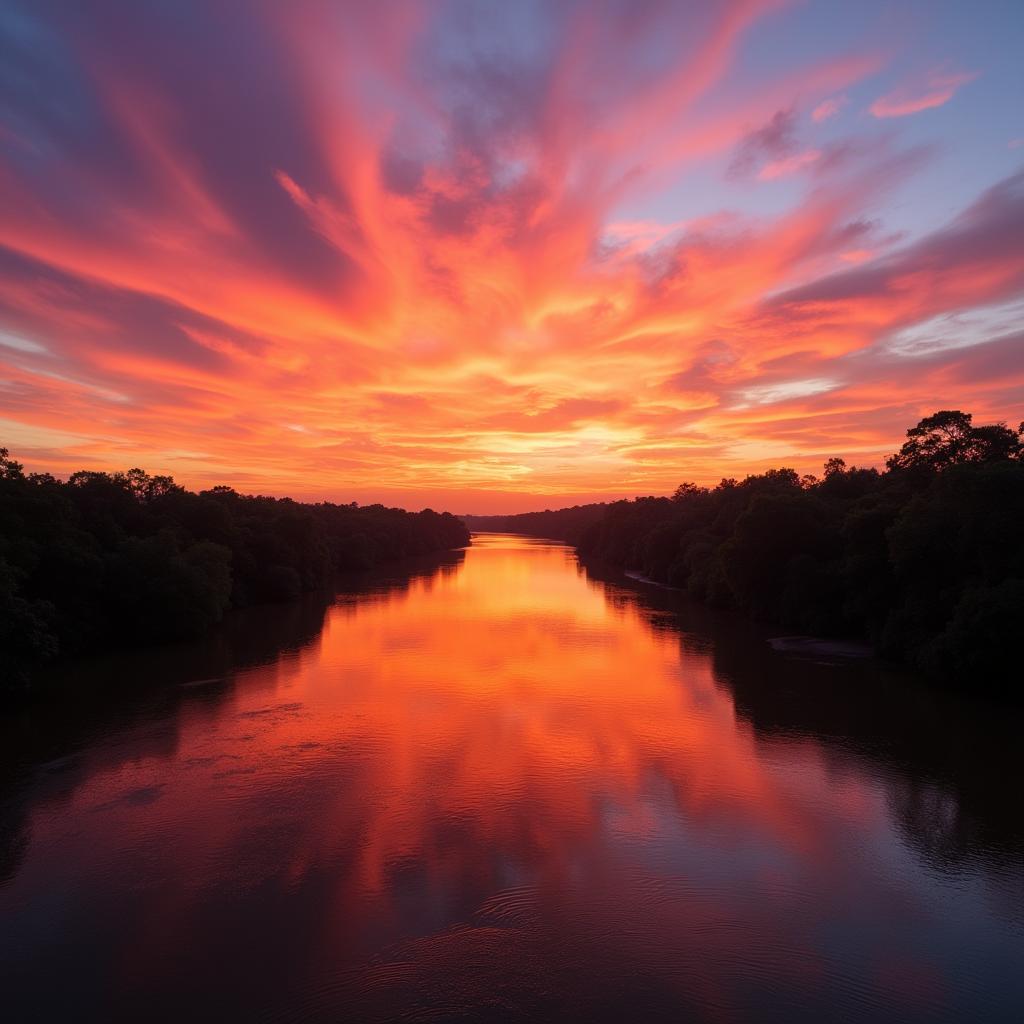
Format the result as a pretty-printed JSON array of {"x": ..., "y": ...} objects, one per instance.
[{"x": 501, "y": 787}]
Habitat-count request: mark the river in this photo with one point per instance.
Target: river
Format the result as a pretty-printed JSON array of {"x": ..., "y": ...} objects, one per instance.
[{"x": 504, "y": 786}]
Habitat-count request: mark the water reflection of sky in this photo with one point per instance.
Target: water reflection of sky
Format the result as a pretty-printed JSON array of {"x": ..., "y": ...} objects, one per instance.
[{"x": 511, "y": 781}]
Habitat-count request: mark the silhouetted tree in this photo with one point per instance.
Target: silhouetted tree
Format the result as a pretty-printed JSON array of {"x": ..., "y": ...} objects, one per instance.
[
  {"x": 114, "y": 558},
  {"x": 948, "y": 437},
  {"x": 925, "y": 561},
  {"x": 565, "y": 524}
]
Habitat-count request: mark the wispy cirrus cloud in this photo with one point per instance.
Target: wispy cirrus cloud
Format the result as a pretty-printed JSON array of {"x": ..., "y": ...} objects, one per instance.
[
  {"x": 936, "y": 89},
  {"x": 770, "y": 145},
  {"x": 788, "y": 165},
  {"x": 423, "y": 255},
  {"x": 828, "y": 108}
]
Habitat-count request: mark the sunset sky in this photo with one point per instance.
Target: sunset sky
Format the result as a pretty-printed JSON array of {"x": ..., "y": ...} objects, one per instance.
[{"x": 503, "y": 256}]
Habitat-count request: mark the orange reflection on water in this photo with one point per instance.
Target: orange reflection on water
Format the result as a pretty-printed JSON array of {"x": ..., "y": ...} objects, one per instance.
[{"x": 501, "y": 761}]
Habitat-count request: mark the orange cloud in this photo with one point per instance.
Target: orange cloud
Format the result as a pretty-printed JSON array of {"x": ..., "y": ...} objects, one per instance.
[{"x": 382, "y": 268}]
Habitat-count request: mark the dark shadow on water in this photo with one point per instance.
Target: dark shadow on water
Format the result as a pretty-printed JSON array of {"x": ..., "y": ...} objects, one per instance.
[
  {"x": 950, "y": 760},
  {"x": 475, "y": 935},
  {"x": 138, "y": 695}
]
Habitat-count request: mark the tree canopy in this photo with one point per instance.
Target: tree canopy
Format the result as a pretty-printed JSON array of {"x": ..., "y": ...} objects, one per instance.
[
  {"x": 107, "y": 559},
  {"x": 948, "y": 438},
  {"x": 924, "y": 560}
]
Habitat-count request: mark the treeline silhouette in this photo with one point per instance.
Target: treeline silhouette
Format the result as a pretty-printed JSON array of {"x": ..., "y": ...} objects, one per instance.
[
  {"x": 107, "y": 559},
  {"x": 924, "y": 560},
  {"x": 568, "y": 524}
]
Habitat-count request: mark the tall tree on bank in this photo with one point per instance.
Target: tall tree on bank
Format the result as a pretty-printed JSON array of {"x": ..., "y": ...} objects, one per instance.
[
  {"x": 925, "y": 560},
  {"x": 947, "y": 438}
]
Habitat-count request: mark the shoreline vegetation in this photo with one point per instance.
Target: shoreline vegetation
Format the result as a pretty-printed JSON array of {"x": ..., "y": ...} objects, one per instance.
[
  {"x": 922, "y": 561},
  {"x": 108, "y": 560}
]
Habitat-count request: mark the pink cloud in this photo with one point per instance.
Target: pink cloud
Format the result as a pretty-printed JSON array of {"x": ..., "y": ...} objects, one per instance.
[
  {"x": 789, "y": 165},
  {"x": 937, "y": 89},
  {"x": 465, "y": 299},
  {"x": 857, "y": 255},
  {"x": 828, "y": 108}
]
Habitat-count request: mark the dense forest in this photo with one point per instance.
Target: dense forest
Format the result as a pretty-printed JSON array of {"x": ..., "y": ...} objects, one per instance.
[
  {"x": 127, "y": 558},
  {"x": 568, "y": 524},
  {"x": 924, "y": 560}
]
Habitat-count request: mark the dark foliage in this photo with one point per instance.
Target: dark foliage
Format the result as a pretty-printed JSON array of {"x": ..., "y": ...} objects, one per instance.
[
  {"x": 127, "y": 558},
  {"x": 925, "y": 560},
  {"x": 568, "y": 524}
]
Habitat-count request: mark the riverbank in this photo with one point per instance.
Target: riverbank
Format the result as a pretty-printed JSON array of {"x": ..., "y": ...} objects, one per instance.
[
  {"x": 107, "y": 560},
  {"x": 797, "y": 646},
  {"x": 922, "y": 562}
]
